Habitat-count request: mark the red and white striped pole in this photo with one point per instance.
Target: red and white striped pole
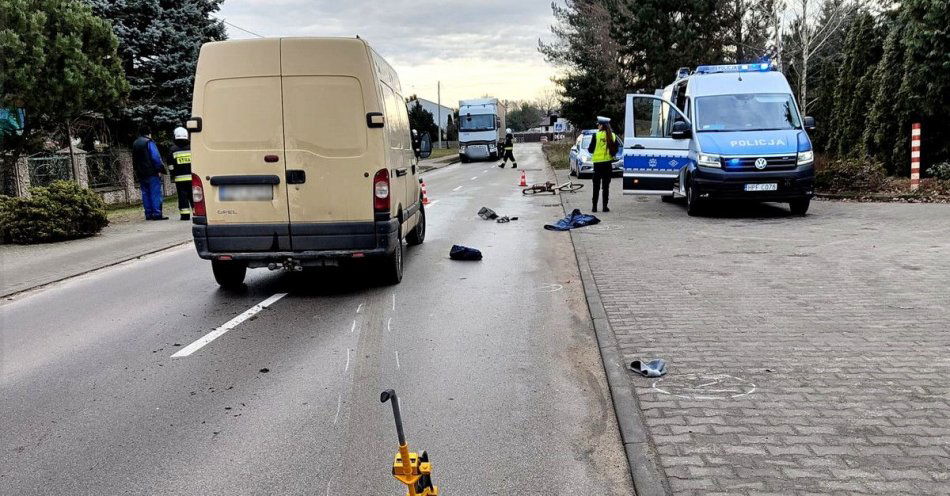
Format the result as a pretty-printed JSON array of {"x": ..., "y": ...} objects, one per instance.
[{"x": 915, "y": 156}]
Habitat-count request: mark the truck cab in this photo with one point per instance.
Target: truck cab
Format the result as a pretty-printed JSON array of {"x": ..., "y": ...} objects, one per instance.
[
  {"x": 481, "y": 129},
  {"x": 720, "y": 132}
]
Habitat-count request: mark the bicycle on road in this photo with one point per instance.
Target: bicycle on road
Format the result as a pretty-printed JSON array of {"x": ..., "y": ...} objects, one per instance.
[{"x": 553, "y": 188}]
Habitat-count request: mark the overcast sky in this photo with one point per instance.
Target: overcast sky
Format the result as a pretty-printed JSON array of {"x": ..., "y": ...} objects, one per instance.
[{"x": 475, "y": 47}]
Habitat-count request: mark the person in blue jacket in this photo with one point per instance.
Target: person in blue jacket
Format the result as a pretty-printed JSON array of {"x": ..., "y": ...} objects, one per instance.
[{"x": 148, "y": 166}]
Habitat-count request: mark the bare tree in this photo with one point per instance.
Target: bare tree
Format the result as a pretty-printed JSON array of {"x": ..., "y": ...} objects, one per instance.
[{"x": 814, "y": 23}]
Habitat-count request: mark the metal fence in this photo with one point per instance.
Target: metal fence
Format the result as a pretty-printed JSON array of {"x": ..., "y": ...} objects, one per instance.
[
  {"x": 103, "y": 171},
  {"x": 45, "y": 170}
]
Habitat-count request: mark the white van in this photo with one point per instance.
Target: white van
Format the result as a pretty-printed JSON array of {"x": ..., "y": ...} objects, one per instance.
[{"x": 301, "y": 156}]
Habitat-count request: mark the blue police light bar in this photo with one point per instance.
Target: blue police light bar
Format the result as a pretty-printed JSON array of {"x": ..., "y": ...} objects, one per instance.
[{"x": 713, "y": 69}]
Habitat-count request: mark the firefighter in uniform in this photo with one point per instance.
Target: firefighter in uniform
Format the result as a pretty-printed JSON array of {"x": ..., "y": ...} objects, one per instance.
[
  {"x": 509, "y": 151},
  {"x": 603, "y": 147},
  {"x": 181, "y": 161}
]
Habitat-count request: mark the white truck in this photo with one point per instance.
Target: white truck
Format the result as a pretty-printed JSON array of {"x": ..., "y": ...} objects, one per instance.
[{"x": 481, "y": 129}]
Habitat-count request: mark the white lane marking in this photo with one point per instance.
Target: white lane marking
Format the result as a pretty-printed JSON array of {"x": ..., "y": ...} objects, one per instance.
[
  {"x": 389, "y": 325},
  {"x": 474, "y": 178},
  {"x": 394, "y": 301},
  {"x": 339, "y": 403},
  {"x": 231, "y": 324},
  {"x": 433, "y": 202},
  {"x": 397, "y": 359},
  {"x": 347, "y": 367},
  {"x": 457, "y": 188},
  {"x": 353, "y": 327},
  {"x": 359, "y": 308}
]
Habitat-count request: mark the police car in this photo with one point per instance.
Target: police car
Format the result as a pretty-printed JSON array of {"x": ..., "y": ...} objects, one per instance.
[{"x": 720, "y": 132}]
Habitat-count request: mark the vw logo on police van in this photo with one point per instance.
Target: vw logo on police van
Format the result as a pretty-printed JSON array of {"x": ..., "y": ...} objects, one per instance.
[{"x": 760, "y": 163}]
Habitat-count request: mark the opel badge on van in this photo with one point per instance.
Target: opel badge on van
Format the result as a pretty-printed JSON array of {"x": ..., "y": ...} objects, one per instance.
[{"x": 760, "y": 163}]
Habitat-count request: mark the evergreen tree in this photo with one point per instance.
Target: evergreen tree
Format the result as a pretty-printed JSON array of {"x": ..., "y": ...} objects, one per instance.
[
  {"x": 422, "y": 120},
  {"x": 855, "y": 85},
  {"x": 924, "y": 92},
  {"x": 881, "y": 128},
  {"x": 158, "y": 45},
  {"x": 747, "y": 27},
  {"x": 59, "y": 61},
  {"x": 592, "y": 83}
]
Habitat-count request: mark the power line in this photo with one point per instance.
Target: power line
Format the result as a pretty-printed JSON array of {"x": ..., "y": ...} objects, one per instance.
[{"x": 242, "y": 29}]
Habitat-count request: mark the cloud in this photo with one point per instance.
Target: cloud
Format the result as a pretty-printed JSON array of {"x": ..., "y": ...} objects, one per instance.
[{"x": 474, "y": 47}]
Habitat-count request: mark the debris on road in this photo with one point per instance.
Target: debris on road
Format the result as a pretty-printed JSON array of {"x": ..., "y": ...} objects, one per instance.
[
  {"x": 575, "y": 219},
  {"x": 459, "y": 252},
  {"x": 653, "y": 368},
  {"x": 264, "y": 370},
  {"x": 487, "y": 214},
  {"x": 505, "y": 219}
]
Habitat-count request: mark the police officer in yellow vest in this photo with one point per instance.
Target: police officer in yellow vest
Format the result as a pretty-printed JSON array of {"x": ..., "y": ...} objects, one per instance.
[
  {"x": 181, "y": 174},
  {"x": 603, "y": 147}
]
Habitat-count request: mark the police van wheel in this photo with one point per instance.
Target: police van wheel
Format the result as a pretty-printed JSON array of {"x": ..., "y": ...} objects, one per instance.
[
  {"x": 229, "y": 275},
  {"x": 800, "y": 207},
  {"x": 418, "y": 233},
  {"x": 692, "y": 201},
  {"x": 392, "y": 265}
]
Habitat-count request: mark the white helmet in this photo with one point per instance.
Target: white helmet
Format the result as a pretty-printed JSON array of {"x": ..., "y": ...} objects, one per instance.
[
  {"x": 181, "y": 133},
  {"x": 508, "y": 131}
]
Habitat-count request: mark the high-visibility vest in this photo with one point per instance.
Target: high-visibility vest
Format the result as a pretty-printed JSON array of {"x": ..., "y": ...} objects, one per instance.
[{"x": 601, "y": 151}]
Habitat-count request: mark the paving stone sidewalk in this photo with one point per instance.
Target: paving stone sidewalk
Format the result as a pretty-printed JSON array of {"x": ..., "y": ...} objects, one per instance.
[{"x": 807, "y": 355}]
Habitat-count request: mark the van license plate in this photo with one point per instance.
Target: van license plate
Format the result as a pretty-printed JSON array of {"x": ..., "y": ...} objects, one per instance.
[
  {"x": 246, "y": 192},
  {"x": 762, "y": 187}
]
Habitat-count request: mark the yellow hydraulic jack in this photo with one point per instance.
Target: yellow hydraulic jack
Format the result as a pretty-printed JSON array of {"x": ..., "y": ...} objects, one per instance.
[{"x": 409, "y": 468}]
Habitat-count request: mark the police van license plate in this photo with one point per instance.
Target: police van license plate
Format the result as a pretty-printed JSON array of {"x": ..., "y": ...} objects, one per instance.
[
  {"x": 762, "y": 187},
  {"x": 246, "y": 192}
]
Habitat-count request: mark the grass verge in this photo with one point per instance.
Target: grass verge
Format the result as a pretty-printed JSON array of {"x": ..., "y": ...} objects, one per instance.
[{"x": 557, "y": 153}]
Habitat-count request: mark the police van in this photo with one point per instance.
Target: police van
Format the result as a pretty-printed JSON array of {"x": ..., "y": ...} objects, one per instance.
[{"x": 720, "y": 132}]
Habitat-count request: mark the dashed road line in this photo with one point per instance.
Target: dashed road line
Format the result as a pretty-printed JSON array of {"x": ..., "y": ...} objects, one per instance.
[
  {"x": 231, "y": 324},
  {"x": 397, "y": 359},
  {"x": 389, "y": 325},
  {"x": 474, "y": 178},
  {"x": 347, "y": 367},
  {"x": 353, "y": 327},
  {"x": 394, "y": 301},
  {"x": 457, "y": 188},
  {"x": 339, "y": 403},
  {"x": 359, "y": 308}
]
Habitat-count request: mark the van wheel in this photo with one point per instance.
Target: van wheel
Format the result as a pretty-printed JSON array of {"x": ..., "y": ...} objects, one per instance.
[
  {"x": 229, "y": 275},
  {"x": 418, "y": 233},
  {"x": 463, "y": 158},
  {"x": 800, "y": 207},
  {"x": 392, "y": 265},
  {"x": 692, "y": 200}
]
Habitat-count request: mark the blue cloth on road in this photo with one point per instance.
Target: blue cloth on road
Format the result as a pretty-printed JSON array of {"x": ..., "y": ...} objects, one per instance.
[
  {"x": 152, "y": 196},
  {"x": 653, "y": 368},
  {"x": 575, "y": 219}
]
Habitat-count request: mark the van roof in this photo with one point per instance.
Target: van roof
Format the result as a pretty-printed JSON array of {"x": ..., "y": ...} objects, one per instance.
[{"x": 737, "y": 83}]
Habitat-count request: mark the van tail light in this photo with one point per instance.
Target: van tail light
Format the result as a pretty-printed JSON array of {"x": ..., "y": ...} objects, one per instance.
[
  {"x": 198, "y": 196},
  {"x": 381, "y": 191}
]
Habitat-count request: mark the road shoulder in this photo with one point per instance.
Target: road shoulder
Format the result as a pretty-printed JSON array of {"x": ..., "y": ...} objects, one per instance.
[{"x": 648, "y": 478}]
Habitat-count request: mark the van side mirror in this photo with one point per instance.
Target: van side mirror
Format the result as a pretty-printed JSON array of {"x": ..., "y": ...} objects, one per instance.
[
  {"x": 424, "y": 150},
  {"x": 808, "y": 123},
  {"x": 681, "y": 130}
]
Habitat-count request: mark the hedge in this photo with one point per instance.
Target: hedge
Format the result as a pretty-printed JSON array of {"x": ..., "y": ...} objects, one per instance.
[{"x": 63, "y": 210}]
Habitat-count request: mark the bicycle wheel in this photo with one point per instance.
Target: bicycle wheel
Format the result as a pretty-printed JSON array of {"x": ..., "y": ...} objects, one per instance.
[
  {"x": 533, "y": 190},
  {"x": 571, "y": 187}
]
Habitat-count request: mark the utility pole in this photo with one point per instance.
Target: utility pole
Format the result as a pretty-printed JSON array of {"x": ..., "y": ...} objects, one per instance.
[{"x": 439, "y": 104}]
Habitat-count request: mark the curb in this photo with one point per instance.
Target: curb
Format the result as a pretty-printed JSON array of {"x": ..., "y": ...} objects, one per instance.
[
  {"x": 648, "y": 478},
  {"x": 883, "y": 197},
  {"x": 95, "y": 269}
]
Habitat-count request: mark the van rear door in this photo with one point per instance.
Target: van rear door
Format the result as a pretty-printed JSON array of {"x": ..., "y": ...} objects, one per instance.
[
  {"x": 239, "y": 151},
  {"x": 652, "y": 159},
  {"x": 326, "y": 87}
]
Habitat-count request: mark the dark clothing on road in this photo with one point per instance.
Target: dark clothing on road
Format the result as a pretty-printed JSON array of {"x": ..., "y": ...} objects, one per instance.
[
  {"x": 575, "y": 219},
  {"x": 602, "y": 174}
]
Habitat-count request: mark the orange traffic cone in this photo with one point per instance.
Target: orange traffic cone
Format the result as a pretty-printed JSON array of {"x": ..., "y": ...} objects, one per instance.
[
  {"x": 425, "y": 194},
  {"x": 524, "y": 180}
]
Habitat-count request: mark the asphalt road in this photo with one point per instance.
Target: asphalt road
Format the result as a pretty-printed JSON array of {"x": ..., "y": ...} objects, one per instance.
[{"x": 495, "y": 362}]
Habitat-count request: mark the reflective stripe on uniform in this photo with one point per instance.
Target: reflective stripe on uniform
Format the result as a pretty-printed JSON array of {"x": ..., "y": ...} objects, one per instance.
[
  {"x": 182, "y": 157},
  {"x": 509, "y": 148},
  {"x": 183, "y": 178},
  {"x": 184, "y": 211}
]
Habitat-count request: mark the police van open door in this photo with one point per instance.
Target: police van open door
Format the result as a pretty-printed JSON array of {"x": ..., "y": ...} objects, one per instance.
[{"x": 655, "y": 145}]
